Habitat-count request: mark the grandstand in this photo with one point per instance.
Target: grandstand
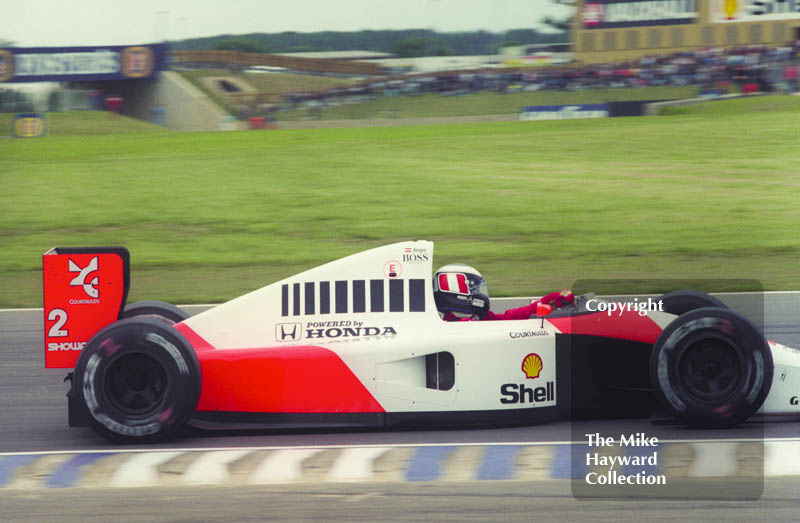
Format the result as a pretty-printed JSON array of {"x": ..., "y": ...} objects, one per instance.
[{"x": 606, "y": 31}]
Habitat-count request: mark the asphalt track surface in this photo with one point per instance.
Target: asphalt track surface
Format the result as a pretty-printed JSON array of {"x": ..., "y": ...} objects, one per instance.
[
  {"x": 493, "y": 502},
  {"x": 33, "y": 414}
]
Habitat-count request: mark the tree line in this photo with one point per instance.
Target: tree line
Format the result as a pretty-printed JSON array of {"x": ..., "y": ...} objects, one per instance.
[{"x": 404, "y": 43}]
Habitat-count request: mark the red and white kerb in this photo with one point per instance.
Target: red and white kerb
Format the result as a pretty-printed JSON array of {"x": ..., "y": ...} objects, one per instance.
[{"x": 453, "y": 282}]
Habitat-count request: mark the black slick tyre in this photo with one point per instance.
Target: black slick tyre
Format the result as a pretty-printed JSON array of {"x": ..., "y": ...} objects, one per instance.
[
  {"x": 711, "y": 368},
  {"x": 156, "y": 309},
  {"x": 137, "y": 380},
  {"x": 679, "y": 302}
]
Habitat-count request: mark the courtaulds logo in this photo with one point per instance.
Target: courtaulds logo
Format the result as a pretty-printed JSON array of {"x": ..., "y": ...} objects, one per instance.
[
  {"x": 90, "y": 287},
  {"x": 288, "y": 331},
  {"x": 532, "y": 366}
]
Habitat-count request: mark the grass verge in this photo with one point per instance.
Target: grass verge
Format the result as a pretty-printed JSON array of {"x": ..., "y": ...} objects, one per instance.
[{"x": 535, "y": 205}]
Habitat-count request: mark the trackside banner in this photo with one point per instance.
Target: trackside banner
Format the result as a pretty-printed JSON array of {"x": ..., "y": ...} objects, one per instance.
[
  {"x": 606, "y": 14},
  {"x": 722, "y": 11},
  {"x": 563, "y": 112},
  {"x": 57, "y": 64},
  {"x": 29, "y": 125}
]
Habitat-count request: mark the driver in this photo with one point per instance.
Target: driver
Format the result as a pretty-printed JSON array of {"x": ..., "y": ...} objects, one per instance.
[{"x": 461, "y": 294}]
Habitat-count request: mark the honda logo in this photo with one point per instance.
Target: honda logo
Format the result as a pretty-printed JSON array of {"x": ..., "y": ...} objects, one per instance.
[{"x": 287, "y": 332}]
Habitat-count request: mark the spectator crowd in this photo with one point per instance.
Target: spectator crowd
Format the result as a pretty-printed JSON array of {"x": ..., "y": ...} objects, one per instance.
[{"x": 713, "y": 71}]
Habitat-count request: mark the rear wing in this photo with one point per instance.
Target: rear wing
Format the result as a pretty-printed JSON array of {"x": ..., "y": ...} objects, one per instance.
[{"x": 84, "y": 289}]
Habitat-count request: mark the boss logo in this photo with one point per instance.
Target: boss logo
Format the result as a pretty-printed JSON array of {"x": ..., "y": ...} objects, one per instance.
[{"x": 415, "y": 258}]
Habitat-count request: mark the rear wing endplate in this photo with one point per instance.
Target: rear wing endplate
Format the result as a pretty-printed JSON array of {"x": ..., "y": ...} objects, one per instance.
[{"x": 84, "y": 289}]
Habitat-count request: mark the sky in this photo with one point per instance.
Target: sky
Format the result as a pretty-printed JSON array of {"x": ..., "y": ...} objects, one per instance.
[{"x": 53, "y": 23}]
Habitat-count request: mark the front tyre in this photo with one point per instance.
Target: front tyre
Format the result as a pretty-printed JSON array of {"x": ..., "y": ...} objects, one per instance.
[
  {"x": 711, "y": 368},
  {"x": 679, "y": 302},
  {"x": 138, "y": 380}
]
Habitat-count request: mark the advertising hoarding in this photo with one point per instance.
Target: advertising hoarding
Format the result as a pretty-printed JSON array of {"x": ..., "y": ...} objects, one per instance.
[
  {"x": 57, "y": 64},
  {"x": 608, "y": 14},
  {"x": 722, "y": 11}
]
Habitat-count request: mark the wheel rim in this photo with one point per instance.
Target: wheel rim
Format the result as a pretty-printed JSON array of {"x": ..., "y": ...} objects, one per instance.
[
  {"x": 710, "y": 369},
  {"x": 136, "y": 384}
]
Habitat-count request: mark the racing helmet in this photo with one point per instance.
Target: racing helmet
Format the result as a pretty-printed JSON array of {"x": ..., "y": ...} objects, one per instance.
[{"x": 460, "y": 289}]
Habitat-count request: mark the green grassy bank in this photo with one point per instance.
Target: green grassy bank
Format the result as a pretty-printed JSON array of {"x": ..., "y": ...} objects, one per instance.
[{"x": 711, "y": 192}]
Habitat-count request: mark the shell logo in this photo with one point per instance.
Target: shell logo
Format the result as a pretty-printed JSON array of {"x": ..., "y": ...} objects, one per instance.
[
  {"x": 730, "y": 7},
  {"x": 532, "y": 366}
]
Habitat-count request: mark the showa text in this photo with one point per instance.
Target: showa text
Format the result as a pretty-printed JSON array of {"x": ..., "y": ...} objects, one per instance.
[{"x": 611, "y": 307}]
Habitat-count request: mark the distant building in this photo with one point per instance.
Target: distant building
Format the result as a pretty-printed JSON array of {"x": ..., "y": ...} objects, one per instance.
[
  {"x": 535, "y": 55},
  {"x": 339, "y": 55},
  {"x": 438, "y": 64},
  {"x": 619, "y": 30}
]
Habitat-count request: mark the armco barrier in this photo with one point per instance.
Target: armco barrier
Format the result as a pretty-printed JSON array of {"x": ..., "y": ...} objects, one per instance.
[
  {"x": 635, "y": 108},
  {"x": 654, "y": 109},
  {"x": 563, "y": 112},
  {"x": 242, "y": 59},
  {"x": 566, "y": 112}
]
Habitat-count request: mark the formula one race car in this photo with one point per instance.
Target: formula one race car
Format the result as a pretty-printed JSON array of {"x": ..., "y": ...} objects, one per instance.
[{"x": 358, "y": 342}]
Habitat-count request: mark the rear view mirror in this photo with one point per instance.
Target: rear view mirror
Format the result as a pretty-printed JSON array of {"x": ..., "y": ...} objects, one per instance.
[{"x": 543, "y": 310}]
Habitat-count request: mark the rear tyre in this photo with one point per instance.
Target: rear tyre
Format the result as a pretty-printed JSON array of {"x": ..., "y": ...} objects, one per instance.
[
  {"x": 711, "y": 368},
  {"x": 138, "y": 380},
  {"x": 679, "y": 302},
  {"x": 155, "y": 309}
]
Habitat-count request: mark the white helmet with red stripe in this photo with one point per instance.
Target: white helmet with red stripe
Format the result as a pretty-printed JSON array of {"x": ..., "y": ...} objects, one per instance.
[{"x": 460, "y": 289}]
